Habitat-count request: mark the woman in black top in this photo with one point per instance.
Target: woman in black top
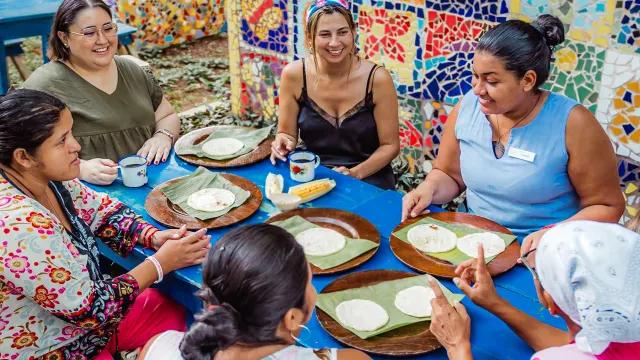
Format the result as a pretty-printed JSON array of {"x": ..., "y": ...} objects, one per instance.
[{"x": 343, "y": 108}]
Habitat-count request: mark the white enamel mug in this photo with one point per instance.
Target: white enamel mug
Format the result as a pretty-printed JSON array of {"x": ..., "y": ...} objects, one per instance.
[
  {"x": 134, "y": 170},
  {"x": 302, "y": 165}
]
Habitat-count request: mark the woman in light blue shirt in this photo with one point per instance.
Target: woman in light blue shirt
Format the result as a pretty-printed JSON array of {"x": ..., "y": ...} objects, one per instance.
[{"x": 528, "y": 158}]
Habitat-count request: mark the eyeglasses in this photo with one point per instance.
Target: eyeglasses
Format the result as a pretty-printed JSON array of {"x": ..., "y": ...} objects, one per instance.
[
  {"x": 91, "y": 32},
  {"x": 526, "y": 264}
]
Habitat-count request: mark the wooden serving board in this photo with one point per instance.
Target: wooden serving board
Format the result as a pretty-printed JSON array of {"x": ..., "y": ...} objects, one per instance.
[
  {"x": 197, "y": 136},
  {"x": 422, "y": 262},
  {"x": 408, "y": 340},
  {"x": 171, "y": 215},
  {"x": 344, "y": 222}
]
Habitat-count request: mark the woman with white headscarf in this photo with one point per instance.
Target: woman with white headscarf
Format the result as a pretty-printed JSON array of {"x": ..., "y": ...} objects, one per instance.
[{"x": 587, "y": 273}]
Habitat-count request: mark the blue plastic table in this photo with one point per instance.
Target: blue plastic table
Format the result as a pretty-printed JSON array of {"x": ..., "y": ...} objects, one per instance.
[
  {"x": 491, "y": 339},
  {"x": 24, "y": 18}
]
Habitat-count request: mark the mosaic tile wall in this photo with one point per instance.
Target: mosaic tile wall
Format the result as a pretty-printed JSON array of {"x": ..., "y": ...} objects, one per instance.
[
  {"x": 168, "y": 22},
  {"x": 428, "y": 46}
]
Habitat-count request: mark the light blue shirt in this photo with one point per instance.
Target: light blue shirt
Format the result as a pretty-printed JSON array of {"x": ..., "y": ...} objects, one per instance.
[{"x": 521, "y": 195}]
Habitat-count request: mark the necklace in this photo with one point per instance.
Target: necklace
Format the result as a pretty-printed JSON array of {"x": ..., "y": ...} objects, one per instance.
[{"x": 498, "y": 148}]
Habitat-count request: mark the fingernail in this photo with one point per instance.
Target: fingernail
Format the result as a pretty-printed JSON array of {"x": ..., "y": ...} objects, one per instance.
[{"x": 456, "y": 281}]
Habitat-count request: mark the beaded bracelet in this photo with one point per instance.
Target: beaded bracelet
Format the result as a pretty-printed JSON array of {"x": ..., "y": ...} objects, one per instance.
[
  {"x": 148, "y": 238},
  {"x": 165, "y": 132},
  {"x": 156, "y": 264}
]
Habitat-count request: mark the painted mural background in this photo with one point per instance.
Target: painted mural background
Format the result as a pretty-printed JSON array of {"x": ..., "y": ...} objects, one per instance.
[
  {"x": 162, "y": 23},
  {"x": 428, "y": 46}
]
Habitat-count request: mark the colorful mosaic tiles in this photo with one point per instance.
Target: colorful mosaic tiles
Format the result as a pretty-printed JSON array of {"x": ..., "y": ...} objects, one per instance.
[
  {"x": 489, "y": 10},
  {"x": 629, "y": 26},
  {"x": 448, "y": 51},
  {"x": 619, "y": 102},
  {"x": 576, "y": 72},
  {"x": 258, "y": 74},
  {"x": 264, "y": 24},
  {"x": 388, "y": 37},
  {"x": 436, "y": 117},
  {"x": 629, "y": 172},
  {"x": 411, "y": 130},
  {"x": 168, "y": 22},
  {"x": 427, "y": 46},
  {"x": 587, "y": 20}
]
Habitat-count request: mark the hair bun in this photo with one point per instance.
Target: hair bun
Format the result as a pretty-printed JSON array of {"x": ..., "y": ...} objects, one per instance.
[
  {"x": 212, "y": 331},
  {"x": 551, "y": 28}
]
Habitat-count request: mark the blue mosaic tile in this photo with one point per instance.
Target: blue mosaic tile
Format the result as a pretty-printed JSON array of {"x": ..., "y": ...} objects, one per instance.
[{"x": 487, "y": 10}]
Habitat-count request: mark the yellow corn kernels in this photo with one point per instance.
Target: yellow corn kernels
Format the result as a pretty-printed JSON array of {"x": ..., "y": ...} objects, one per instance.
[{"x": 313, "y": 189}]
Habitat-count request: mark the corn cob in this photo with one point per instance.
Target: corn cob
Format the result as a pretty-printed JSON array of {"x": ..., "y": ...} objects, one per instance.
[{"x": 312, "y": 190}]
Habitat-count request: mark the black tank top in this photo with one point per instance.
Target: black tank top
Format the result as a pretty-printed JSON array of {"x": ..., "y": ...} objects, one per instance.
[{"x": 345, "y": 141}]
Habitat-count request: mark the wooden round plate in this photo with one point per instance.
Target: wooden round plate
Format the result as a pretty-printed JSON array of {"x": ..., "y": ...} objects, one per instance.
[
  {"x": 346, "y": 223},
  {"x": 413, "y": 339},
  {"x": 197, "y": 136},
  {"x": 169, "y": 214},
  {"x": 422, "y": 262}
]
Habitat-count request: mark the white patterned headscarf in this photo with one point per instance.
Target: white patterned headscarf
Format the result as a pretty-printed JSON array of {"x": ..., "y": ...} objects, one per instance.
[{"x": 592, "y": 272}]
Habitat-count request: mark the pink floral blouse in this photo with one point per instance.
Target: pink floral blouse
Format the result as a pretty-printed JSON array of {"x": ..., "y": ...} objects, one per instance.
[{"x": 54, "y": 301}]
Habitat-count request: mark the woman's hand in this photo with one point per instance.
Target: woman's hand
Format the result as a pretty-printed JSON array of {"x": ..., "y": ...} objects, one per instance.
[
  {"x": 281, "y": 146},
  {"x": 98, "y": 171},
  {"x": 160, "y": 237},
  {"x": 531, "y": 242},
  {"x": 185, "y": 251},
  {"x": 156, "y": 149},
  {"x": 474, "y": 271},
  {"x": 416, "y": 201},
  {"x": 451, "y": 325},
  {"x": 345, "y": 171}
]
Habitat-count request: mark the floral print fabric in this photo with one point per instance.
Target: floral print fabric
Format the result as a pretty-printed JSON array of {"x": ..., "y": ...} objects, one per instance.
[{"x": 54, "y": 302}]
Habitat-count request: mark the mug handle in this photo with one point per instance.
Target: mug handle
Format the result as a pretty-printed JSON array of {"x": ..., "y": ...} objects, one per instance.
[{"x": 316, "y": 161}]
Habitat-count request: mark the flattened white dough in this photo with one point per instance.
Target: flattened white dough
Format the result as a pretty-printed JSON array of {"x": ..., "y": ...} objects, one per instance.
[
  {"x": 319, "y": 241},
  {"x": 211, "y": 199},
  {"x": 362, "y": 315},
  {"x": 432, "y": 238},
  {"x": 222, "y": 146},
  {"x": 492, "y": 244},
  {"x": 415, "y": 301}
]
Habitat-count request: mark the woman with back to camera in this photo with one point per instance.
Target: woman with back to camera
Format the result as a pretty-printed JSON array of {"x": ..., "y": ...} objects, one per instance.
[
  {"x": 55, "y": 302},
  {"x": 344, "y": 109},
  {"x": 118, "y": 108},
  {"x": 255, "y": 305},
  {"x": 528, "y": 158}
]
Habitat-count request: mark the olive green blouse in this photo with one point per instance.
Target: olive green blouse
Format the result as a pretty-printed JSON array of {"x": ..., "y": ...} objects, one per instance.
[{"x": 106, "y": 125}]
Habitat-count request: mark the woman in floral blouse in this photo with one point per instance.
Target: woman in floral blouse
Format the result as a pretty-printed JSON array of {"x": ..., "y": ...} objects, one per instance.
[{"x": 54, "y": 301}]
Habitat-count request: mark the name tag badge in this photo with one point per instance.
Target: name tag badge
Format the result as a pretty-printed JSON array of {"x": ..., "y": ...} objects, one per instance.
[{"x": 521, "y": 154}]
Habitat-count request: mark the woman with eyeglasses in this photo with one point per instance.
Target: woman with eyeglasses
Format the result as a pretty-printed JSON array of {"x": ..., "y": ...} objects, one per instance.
[
  {"x": 118, "y": 108},
  {"x": 527, "y": 158},
  {"x": 587, "y": 273}
]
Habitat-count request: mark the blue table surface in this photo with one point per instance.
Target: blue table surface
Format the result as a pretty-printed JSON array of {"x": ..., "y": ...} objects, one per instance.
[
  {"x": 11, "y": 10},
  {"x": 490, "y": 337}
]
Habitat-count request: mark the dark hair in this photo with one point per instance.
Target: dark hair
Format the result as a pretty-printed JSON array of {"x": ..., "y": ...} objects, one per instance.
[
  {"x": 27, "y": 119},
  {"x": 65, "y": 16},
  {"x": 523, "y": 46},
  {"x": 253, "y": 276}
]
